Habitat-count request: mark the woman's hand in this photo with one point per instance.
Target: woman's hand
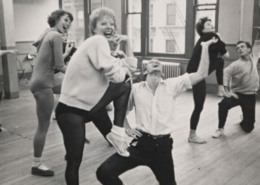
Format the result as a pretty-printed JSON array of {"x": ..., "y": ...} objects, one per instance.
[
  {"x": 118, "y": 54},
  {"x": 68, "y": 48},
  {"x": 119, "y": 38}
]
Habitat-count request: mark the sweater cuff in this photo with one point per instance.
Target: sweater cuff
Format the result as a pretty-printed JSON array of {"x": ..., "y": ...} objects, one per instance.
[
  {"x": 132, "y": 62},
  {"x": 120, "y": 131}
]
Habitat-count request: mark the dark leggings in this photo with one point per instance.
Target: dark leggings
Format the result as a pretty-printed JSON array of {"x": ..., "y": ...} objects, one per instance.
[
  {"x": 156, "y": 153},
  {"x": 247, "y": 103},
  {"x": 199, "y": 92},
  {"x": 72, "y": 121},
  {"x": 119, "y": 94}
]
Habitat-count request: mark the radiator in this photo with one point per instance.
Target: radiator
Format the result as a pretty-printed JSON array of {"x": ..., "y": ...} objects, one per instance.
[{"x": 170, "y": 69}]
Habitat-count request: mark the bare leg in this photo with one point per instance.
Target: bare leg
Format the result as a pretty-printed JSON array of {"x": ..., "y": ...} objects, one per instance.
[{"x": 44, "y": 105}]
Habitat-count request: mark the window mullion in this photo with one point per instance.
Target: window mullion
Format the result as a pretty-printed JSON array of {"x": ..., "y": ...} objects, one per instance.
[{"x": 144, "y": 28}]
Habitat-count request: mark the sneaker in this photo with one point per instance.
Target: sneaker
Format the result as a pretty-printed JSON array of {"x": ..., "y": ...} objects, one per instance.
[
  {"x": 42, "y": 170},
  {"x": 197, "y": 140},
  {"x": 219, "y": 132},
  {"x": 118, "y": 143}
]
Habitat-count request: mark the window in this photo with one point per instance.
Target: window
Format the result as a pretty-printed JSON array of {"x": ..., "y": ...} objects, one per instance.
[
  {"x": 169, "y": 24},
  {"x": 134, "y": 23},
  {"x": 205, "y": 8},
  {"x": 158, "y": 27},
  {"x": 171, "y": 14},
  {"x": 94, "y": 4},
  {"x": 170, "y": 46},
  {"x": 76, "y": 32}
]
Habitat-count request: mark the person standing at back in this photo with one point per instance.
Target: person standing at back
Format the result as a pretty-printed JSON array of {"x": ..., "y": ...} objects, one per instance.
[
  {"x": 206, "y": 30},
  {"x": 49, "y": 57}
]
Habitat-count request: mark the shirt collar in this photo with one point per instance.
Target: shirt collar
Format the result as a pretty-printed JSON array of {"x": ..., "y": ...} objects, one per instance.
[{"x": 145, "y": 84}]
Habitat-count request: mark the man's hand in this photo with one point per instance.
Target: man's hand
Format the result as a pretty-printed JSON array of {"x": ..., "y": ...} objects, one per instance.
[
  {"x": 13, "y": 51},
  {"x": 209, "y": 42},
  {"x": 221, "y": 91},
  {"x": 231, "y": 94},
  {"x": 133, "y": 133}
]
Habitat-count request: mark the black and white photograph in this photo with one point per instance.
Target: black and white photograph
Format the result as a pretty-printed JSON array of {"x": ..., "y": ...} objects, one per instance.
[{"x": 129, "y": 92}]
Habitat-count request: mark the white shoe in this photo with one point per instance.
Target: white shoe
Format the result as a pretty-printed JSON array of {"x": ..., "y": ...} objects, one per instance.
[
  {"x": 119, "y": 144},
  {"x": 219, "y": 132},
  {"x": 197, "y": 140},
  {"x": 41, "y": 170}
]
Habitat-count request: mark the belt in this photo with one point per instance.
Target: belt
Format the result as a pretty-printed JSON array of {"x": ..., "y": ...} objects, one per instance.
[{"x": 154, "y": 137}]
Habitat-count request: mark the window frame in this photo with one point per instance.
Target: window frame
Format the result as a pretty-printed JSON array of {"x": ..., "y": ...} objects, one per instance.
[
  {"x": 208, "y": 4},
  {"x": 189, "y": 35},
  {"x": 189, "y": 30}
]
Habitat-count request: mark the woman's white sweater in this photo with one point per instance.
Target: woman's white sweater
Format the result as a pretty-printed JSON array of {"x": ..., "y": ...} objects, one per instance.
[{"x": 89, "y": 72}]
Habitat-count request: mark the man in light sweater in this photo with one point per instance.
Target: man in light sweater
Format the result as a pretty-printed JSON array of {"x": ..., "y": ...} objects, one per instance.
[
  {"x": 241, "y": 83},
  {"x": 154, "y": 101}
]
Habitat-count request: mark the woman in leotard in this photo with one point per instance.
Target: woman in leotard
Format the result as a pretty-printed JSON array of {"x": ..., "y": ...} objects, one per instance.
[{"x": 49, "y": 57}]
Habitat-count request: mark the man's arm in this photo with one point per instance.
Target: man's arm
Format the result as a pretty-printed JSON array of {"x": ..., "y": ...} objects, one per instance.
[
  {"x": 228, "y": 71},
  {"x": 203, "y": 69},
  {"x": 130, "y": 131},
  {"x": 256, "y": 46},
  {"x": 8, "y": 51}
]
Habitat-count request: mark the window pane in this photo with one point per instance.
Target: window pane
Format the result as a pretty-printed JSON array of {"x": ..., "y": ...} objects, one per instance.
[
  {"x": 206, "y": 1},
  {"x": 171, "y": 14},
  {"x": 134, "y": 31},
  {"x": 167, "y": 24},
  {"x": 170, "y": 46},
  {"x": 95, "y": 4},
  {"x": 76, "y": 32},
  {"x": 206, "y": 7},
  {"x": 134, "y": 6}
]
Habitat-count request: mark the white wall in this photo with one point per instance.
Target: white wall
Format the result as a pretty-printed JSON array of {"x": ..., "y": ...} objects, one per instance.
[
  {"x": 117, "y": 7},
  {"x": 31, "y": 17},
  {"x": 30, "y": 20},
  {"x": 235, "y": 23}
]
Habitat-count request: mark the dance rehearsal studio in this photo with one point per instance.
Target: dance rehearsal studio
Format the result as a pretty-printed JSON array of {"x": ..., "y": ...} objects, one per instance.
[{"x": 212, "y": 122}]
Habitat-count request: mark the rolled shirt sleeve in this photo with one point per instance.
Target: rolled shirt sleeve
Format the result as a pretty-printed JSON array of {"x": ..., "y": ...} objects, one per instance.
[{"x": 178, "y": 85}]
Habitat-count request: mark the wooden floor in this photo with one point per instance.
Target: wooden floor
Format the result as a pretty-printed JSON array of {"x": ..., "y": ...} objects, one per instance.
[{"x": 231, "y": 160}]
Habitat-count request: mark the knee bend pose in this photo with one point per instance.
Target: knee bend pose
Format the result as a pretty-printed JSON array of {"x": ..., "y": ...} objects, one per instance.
[
  {"x": 86, "y": 91},
  {"x": 49, "y": 57},
  {"x": 114, "y": 44},
  {"x": 206, "y": 31},
  {"x": 241, "y": 81},
  {"x": 152, "y": 143}
]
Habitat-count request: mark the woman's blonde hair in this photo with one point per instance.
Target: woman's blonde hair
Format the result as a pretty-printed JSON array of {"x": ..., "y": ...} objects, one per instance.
[{"x": 99, "y": 13}]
